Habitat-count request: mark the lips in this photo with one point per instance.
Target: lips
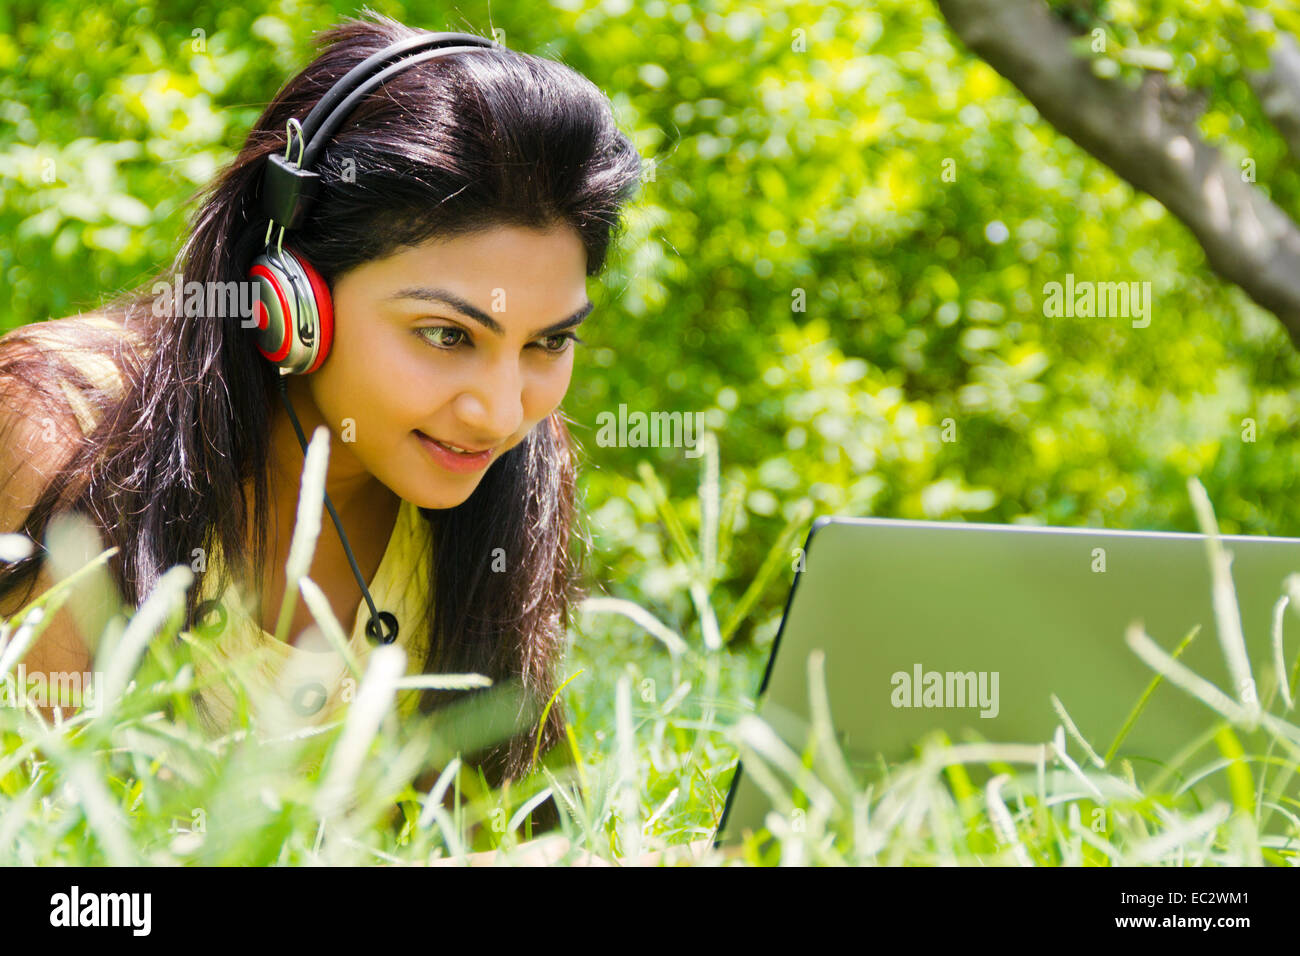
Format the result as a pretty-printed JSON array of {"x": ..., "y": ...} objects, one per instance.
[{"x": 455, "y": 447}]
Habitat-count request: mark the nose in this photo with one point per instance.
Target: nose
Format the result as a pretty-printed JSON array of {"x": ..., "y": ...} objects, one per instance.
[{"x": 491, "y": 405}]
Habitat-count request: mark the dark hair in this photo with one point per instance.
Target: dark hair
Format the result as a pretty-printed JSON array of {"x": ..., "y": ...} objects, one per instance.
[{"x": 455, "y": 145}]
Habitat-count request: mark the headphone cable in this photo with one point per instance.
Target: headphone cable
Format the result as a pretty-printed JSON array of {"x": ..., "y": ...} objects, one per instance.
[{"x": 377, "y": 618}]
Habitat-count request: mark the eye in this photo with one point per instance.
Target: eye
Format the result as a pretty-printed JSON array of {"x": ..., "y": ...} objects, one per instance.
[
  {"x": 436, "y": 336},
  {"x": 442, "y": 332},
  {"x": 564, "y": 339}
]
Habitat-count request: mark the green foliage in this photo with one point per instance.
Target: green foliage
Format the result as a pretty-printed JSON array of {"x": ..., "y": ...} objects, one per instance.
[{"x": 839, "y": 261}]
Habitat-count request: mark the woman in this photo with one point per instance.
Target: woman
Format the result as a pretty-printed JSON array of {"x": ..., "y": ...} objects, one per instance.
[{"x": 461, "y": 206}]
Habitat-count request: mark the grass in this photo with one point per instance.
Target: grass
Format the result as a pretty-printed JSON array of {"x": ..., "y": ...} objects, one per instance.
[{"x": 658, "y": 718}]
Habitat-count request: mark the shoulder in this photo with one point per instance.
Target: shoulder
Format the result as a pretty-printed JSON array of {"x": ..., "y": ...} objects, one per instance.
[
  {"x": 80, "y": 339},
  {"x": 69, "y": 365}
]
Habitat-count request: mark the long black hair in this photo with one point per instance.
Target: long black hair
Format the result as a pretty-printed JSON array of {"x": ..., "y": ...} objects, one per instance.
[{"x": 454, "y": 145}]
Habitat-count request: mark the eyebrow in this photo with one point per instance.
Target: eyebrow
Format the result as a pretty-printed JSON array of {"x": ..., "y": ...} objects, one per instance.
[{"x": 425, "y": 294}]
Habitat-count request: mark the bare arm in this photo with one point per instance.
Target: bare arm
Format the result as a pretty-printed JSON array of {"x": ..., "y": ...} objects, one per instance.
[
  {"x": 547, "y": 850},
  {"x": 31, "y": 448}
]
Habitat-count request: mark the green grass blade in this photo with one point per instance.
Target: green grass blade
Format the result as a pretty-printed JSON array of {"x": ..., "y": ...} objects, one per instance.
[
  {"x": 774, "y": 561},
  {"x": 709, "y": 507},
  {"x": 668, "y": 514},
  {"x": 1146, "y": 695},
  {"x": 541, "y": 724}
]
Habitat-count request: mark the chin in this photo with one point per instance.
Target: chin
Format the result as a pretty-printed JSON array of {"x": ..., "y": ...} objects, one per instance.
[{"x": 434, "y": 500}]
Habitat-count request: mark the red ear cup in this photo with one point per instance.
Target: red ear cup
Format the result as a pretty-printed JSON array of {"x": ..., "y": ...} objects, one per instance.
[
  {"x": 295, "y": 315},
  {"x": 324, "y": 312},
  {"x": 273, "y": 310}
]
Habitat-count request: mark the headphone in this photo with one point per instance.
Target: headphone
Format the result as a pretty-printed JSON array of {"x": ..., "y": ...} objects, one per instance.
[{"x": 295, "y": 315}]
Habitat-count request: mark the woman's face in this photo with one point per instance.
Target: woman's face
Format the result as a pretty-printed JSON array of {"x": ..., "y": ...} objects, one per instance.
[{"x": 465, "y": 341}]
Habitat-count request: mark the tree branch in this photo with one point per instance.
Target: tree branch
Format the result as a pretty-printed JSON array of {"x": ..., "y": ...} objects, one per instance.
[
  {"x": 1278, "y": 90},
  {"x": 1147, "y": 137}
]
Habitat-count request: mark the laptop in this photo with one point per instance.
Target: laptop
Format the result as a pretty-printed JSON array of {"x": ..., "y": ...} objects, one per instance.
[{"x": 969, "y": 629}]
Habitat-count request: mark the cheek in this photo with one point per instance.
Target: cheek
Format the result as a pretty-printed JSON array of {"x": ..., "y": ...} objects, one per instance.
[
  {"x": 378, "y": 386},
  {"x": 548, "y": 390}
]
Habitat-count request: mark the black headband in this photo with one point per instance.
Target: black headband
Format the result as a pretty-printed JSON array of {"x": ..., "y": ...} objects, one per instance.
[{"x": 289, "y": 188}]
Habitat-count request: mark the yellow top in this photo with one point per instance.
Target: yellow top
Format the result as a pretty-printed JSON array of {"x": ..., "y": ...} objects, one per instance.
[{"x": 289, "y": 687}]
